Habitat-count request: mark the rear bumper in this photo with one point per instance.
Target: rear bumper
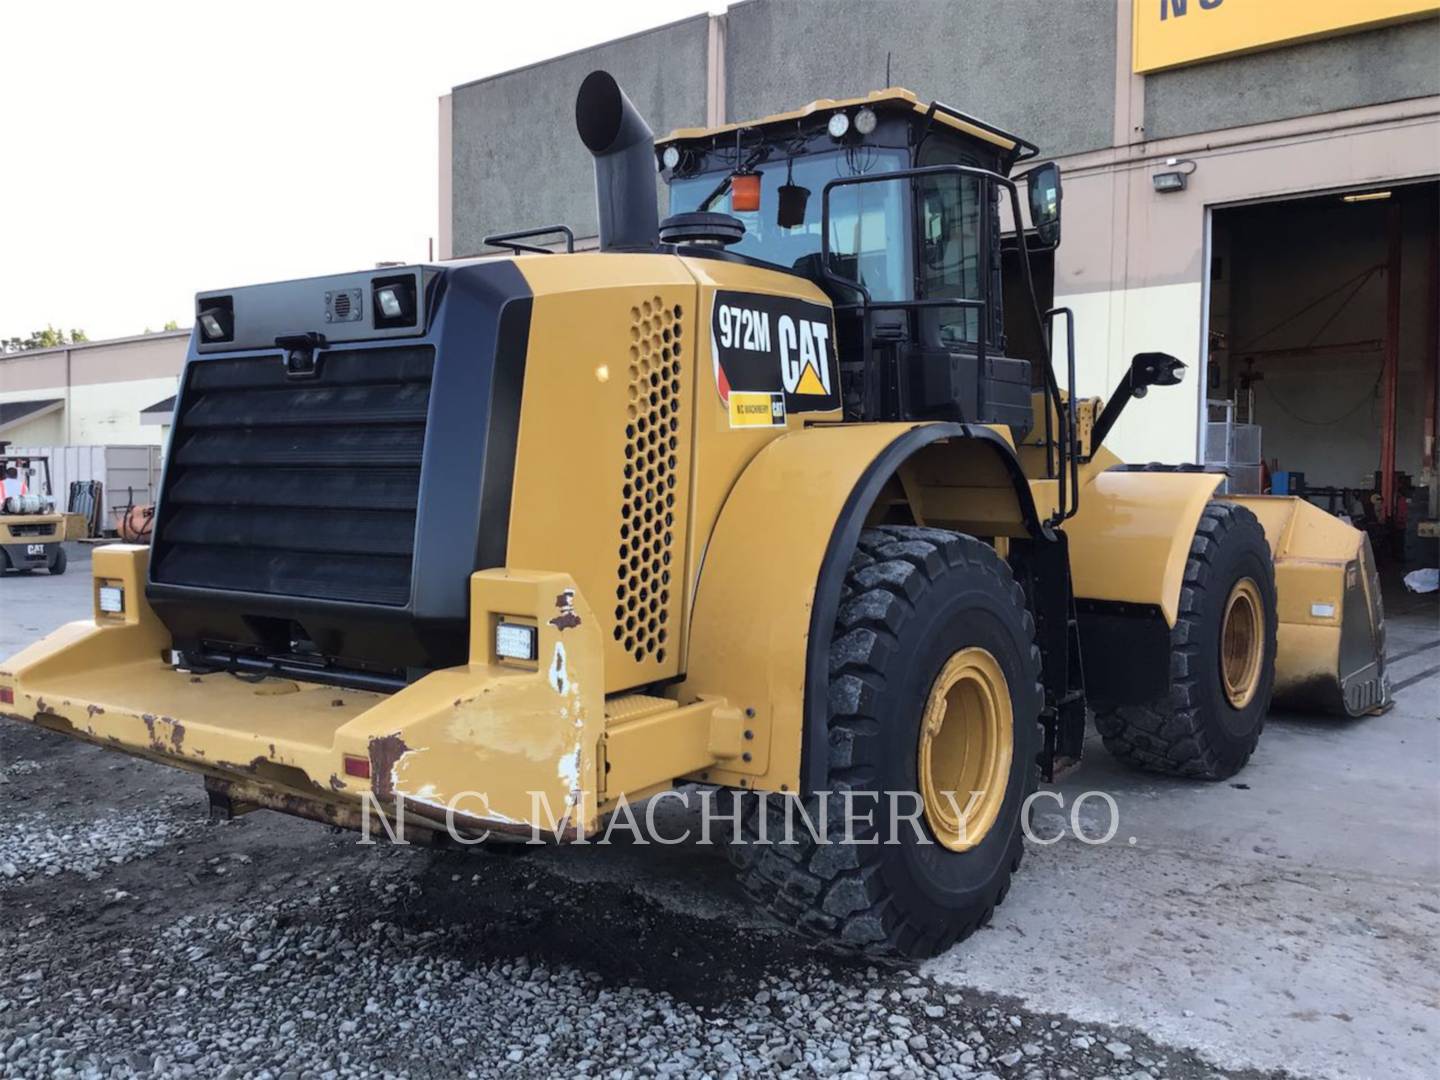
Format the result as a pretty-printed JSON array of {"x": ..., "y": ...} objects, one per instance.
[
  {"x": 35, "y": 554},
  {"x": 487, "y": 746}
]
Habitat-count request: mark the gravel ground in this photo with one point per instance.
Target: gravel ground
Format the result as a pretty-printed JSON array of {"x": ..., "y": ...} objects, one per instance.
[{"x": 139, "y": 939}]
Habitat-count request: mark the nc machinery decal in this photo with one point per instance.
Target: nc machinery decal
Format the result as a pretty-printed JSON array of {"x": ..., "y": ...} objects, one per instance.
[{"x": 773, "y": 355}]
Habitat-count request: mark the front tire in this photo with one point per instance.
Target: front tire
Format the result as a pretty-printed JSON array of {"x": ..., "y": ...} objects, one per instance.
[
  {"x": 58, "y": 566},
  {"x": 1222, "y": 659},
  {"x": 932, "y": 635}
]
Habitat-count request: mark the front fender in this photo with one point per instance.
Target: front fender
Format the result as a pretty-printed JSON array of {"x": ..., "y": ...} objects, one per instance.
[{"x": 1130, "y": 540}]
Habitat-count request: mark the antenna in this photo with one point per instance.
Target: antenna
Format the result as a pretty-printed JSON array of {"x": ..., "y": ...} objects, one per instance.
[{"x": 887, "y": 69}]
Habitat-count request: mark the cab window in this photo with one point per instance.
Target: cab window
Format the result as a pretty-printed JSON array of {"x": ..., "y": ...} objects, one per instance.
[
  {"x": 870, "y": 235},
  {"x": 950, "y": 263}
]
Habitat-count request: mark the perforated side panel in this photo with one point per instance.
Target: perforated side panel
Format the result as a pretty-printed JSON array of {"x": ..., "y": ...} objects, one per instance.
[{"x": 645, "y": 577}]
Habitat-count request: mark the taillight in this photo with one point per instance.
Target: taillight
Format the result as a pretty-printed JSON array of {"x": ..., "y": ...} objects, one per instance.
[{"x": 358, "y": 767}]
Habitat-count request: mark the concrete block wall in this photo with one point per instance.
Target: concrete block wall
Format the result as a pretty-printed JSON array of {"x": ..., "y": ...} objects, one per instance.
[
  {"x": 1392, "y": 64},
  {"x": 516, "y": 160},
  {"x": 1041, "y": 69}
]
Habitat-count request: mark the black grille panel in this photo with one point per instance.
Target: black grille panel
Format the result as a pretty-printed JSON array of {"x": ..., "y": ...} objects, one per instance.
[{"x": 297, "y": 488}]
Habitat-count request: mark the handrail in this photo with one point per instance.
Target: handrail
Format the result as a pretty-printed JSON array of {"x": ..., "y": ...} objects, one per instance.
[
  {"x": 1067, "y": 503},
  {"x": 507, "y": 240}
]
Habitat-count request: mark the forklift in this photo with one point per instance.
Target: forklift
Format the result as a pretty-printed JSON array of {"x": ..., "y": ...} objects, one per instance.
[{"x": 32, "y": 531}]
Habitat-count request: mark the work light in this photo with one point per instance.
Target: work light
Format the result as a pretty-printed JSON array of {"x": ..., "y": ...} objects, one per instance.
[
  {"x": 865, "y": 121},
  {"x": 838, "y": 126},
  {"x": 217, "y": 322},
  {"x": 394, "y": 301},
  {"x": 390, "y": 305},
  {"x": 671, "y": 157},
  {"x": 516, "y": 641}
]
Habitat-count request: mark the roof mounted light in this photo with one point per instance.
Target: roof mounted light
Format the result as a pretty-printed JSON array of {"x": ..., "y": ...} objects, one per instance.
[
  {"x": 838, "y": 126},
  {"x": 865, "y": 121},
  {"x": 670, "y": 156}
]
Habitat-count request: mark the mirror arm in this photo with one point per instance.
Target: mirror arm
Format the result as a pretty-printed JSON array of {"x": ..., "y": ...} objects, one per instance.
[{"x": 1146, "y": 370}]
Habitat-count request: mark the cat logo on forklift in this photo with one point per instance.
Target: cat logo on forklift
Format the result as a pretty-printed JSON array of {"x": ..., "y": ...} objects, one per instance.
[{"x": 773, "y": 355}]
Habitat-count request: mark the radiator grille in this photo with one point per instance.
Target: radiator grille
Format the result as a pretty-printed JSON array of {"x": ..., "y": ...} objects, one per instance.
[
  {"x": 297, "y": 488},
  {"x": 647, "y": 526},
  {"x": 32, "y": 530}
]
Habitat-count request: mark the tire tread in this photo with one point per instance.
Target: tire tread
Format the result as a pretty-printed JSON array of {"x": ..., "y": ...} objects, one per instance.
[
  {"x": 833, "y": 892},
  {"x": 1170, "y": 733}
]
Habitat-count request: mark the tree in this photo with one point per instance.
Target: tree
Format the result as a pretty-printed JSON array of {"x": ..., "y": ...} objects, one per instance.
[{"x": 49, "y": 338}]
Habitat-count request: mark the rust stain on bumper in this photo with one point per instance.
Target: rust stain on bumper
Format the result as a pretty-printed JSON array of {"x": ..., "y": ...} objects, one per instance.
[
  {"x": 567, "y": 619},
  {"x": 385, "y": 753}
]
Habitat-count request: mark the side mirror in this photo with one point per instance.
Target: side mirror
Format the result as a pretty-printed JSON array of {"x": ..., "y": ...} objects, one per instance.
[
  {"x": 1155, "y": 369},
  {"x": 1043, "y": 185}
]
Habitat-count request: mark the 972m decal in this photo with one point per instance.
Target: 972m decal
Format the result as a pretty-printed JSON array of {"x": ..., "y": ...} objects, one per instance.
[{"x": 773, "y": 355}]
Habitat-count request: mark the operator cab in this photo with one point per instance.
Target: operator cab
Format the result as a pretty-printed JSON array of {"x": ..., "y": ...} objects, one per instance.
[{"x": 892, "y": 207}]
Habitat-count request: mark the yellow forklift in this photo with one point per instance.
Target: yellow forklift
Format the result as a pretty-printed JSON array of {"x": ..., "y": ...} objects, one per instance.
[
  {"x": 780, "y": 497},
  {"x": 32, "y": 531}
]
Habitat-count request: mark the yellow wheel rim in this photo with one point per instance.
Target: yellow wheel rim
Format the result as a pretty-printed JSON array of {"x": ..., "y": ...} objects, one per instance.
[
  {"x": 967, "y": 741},
  {"x": 1242, "y": 643}
]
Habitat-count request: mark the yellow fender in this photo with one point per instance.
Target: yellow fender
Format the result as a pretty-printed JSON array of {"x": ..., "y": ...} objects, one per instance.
[
  {"x": 770, "y": 578},
  {"x": 1131, "y": 537}
]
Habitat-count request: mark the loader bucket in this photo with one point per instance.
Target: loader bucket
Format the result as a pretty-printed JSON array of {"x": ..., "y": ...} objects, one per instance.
[{"x": 1331, "y": 646}]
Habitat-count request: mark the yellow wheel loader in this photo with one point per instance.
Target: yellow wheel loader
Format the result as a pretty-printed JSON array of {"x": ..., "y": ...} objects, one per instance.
[{"x": 775, "y": 497}]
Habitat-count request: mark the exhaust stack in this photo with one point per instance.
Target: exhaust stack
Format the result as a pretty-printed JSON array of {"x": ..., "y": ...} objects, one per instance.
[{"x": 623, "y": 146}]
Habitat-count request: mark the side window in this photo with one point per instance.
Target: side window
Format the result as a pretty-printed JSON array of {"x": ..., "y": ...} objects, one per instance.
[
  {"x": 870, "y": 237},
  {"x": 950, "y": 264}
]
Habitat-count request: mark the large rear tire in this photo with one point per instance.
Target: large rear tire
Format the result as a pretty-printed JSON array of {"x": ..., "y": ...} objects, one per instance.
[
  {"x": 58, "y": 566},
  {"x": 1222, "y": 659},
  {"x": 934, "y": 687}
]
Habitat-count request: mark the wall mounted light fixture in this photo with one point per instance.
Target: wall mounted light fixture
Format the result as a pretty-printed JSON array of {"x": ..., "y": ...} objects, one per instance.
[{"x": 1173, "y": 178}]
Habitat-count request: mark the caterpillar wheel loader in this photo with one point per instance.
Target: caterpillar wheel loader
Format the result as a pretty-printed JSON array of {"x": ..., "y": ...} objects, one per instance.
[{"x": 776, "y": 497}]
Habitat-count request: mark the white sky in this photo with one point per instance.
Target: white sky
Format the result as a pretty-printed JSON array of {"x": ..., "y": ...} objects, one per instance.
[{"x": 150, "y": 150}]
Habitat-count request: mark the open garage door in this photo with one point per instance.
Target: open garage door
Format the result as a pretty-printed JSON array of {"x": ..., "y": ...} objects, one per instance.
[{"x": 1322, "y": 363}]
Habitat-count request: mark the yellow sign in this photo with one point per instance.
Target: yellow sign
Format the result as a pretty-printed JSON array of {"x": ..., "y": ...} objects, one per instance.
[
  {"x": 1169, "y": 33},
  {"x": 749, "y": 409}
]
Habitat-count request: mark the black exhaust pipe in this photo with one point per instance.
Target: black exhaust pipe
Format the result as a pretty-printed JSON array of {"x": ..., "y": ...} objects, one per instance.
[{"x": 624, "y": 150}]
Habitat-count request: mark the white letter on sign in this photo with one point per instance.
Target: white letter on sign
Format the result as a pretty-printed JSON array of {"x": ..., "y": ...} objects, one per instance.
[
  {"x": 791, "y": 367},
  {"x": 822, "y": 335}
]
